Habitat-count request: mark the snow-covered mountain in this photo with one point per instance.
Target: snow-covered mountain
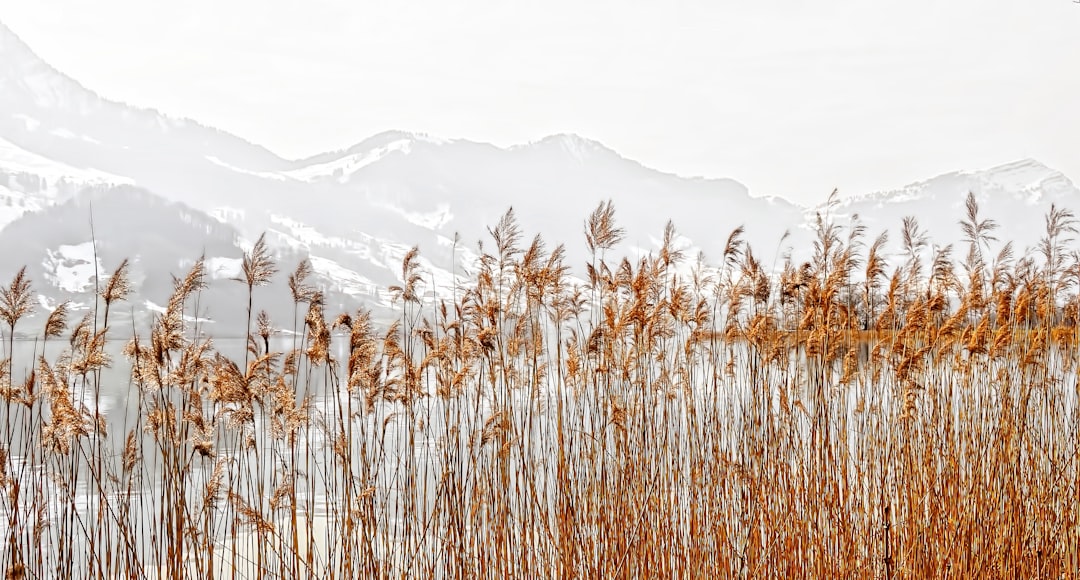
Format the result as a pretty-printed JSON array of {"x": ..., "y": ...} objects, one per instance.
[
  {"x": 1016, "y": 195},
  {"x": 172, "y": 189}
]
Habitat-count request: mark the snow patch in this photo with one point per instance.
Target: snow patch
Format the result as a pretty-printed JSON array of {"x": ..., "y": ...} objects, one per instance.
[
  {"x": 227, "y": 215},
  {"x": 31, "y": 123},
  {"x": 16, "y": 159},
  {"x": 432, "y": 220},
  {"x": 262, "y": 174},
  {"x": 344, "y": 280},
  {"x": 224, "y": 268},
  {"x": 68, "y": 134},
  {"x": 49, "y": 304},
  {"x": 154, "y": 307},
  {"x": 304, "y": 235},
  {"x": 71, "y": 268},
  {"x": 341, "y": 169}
]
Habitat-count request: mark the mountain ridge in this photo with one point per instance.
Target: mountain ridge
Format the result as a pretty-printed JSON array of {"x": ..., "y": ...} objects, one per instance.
[
  {"x": 55, "y": 90},
  {"x": 574, "y": 144},
  {"x": 356, "y": 212}
]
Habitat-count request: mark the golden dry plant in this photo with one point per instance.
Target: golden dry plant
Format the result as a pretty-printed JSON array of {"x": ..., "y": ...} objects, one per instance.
[{"x": 856, "y": 415}]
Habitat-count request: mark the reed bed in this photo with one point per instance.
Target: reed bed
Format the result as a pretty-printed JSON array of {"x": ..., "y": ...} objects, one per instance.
[{"x": 853, "y": 416}]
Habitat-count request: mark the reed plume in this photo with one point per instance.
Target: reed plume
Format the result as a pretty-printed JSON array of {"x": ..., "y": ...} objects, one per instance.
[{"x": 843, "y": 413}]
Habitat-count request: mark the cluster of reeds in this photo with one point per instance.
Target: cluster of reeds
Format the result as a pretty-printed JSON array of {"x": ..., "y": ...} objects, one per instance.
[{"x": 850, "y": 416}]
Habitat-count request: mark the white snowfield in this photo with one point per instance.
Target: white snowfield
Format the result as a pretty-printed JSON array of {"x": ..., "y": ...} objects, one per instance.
[{"x": 72, "y": 268}]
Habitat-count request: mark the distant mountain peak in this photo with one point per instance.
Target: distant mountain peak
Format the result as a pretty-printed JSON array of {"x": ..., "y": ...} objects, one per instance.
[
  {"x": 578, "y": 148},
  {"x": 394, "y": 139},
  {"x": 1027, "y": 179},
  {"x": 1024, "y": 175},
  {"x": 26, "y": 78},
  {"x": 8, "y": 38},
  {"x": 384, "y": 137},
  {"x": 44, "y": 109},
  {"x": 341, "y": 166},
  {"x": 572, "y": 139}
]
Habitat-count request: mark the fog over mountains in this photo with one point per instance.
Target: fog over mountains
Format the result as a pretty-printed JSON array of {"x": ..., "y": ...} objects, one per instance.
[{"x": 164, "y": 191}]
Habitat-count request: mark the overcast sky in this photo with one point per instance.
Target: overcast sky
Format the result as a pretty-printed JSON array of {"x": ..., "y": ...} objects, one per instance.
[{"x": 790, "y": 97}]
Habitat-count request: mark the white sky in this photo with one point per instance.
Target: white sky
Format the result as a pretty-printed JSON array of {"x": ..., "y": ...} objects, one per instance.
[{"x": 790, "y": 97}]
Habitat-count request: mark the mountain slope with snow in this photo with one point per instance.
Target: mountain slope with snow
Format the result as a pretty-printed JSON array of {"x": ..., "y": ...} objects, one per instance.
[
  {"x": 173, "y": 189},
  {"x": 1016, "y": 195},
  {"x": 46, "y": 112}
]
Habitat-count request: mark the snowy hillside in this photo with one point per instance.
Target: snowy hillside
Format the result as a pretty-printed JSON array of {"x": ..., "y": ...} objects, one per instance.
[
  {"x": 171, "y": 190},
  {"x": 1016, "y": 195}
]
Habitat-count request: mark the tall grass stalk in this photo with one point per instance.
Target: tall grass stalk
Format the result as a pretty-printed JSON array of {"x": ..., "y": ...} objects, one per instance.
[{"x": 850, "y": 416}]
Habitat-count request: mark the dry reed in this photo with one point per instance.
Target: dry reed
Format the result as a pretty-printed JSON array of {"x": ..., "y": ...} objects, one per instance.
[{"x": 843, "y": 417}]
